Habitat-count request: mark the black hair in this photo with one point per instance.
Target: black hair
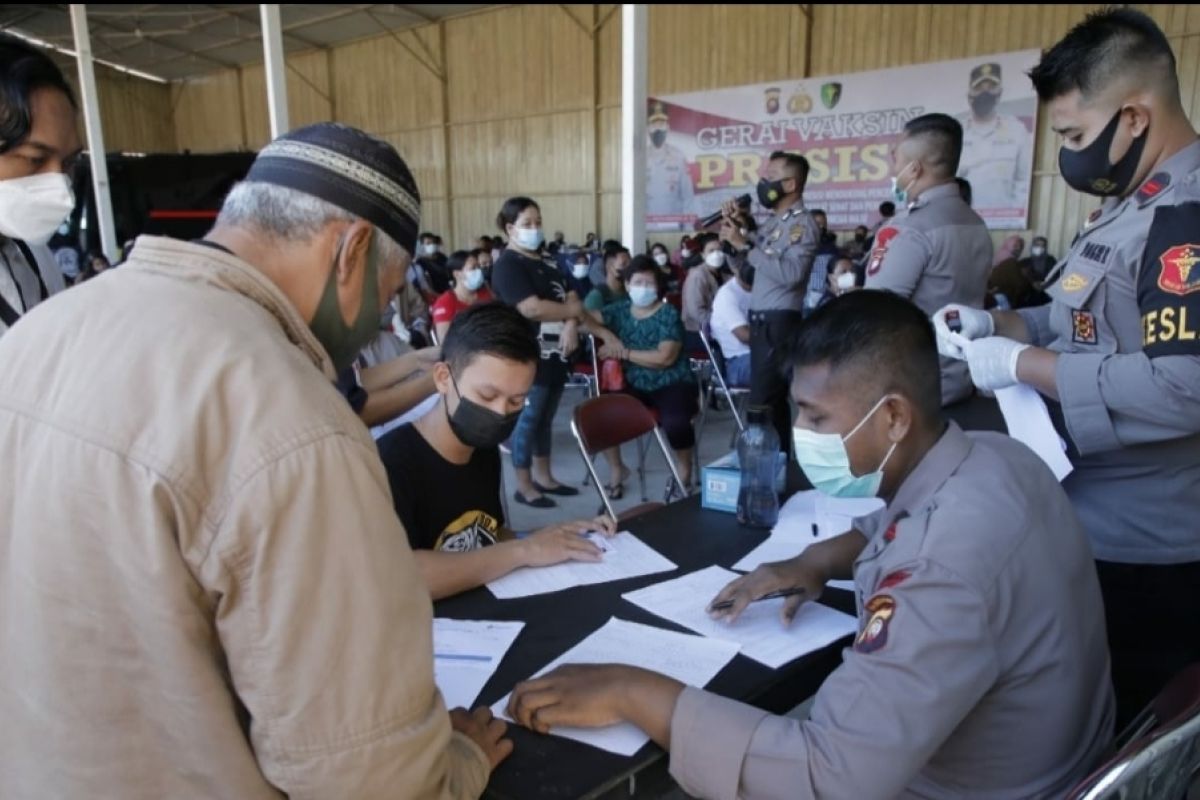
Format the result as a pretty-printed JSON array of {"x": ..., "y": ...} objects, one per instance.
[
  {"x": 23, "y": 70},
  {"x": 1104, "y": 47},
  {"x": 883, "y": 337},
  {"x": 425, "y": 235},
  {"x": 654, "y": 248},
  {"x": 642, "y": 264},
  {"x": 613, "y": 249},
  {"x": 489, "y": 329},
  {"x": 479, "y": 251},
  {"x": 458, "y": 260},
  {"x": 944, "y": 135},
  {"x": 887, "y": 208},
  {"x": 797, "y": 163},
  {"x": 701, "y": 240},
  {"x": 513, "y": 207},
  {"x": 964, "y": 189},
  {"x": 820, "y": 211}
]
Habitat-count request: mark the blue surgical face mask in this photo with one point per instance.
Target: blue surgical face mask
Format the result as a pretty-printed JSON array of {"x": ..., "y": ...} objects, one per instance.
[
  {"x": 643, "y": 296},
  {"x": 826, "y": 463},
  {"x": 474, "y": 279},
  {"x": 528, "y": 238},
  {"x": 900, "y": 195}
]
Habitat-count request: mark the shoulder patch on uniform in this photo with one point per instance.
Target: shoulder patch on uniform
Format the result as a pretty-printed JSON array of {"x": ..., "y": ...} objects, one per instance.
[
  {"x": 1169, "y": 282},
  {"x": 1153, "y": 187},
  {"x": 890, "y": 534},
  {"x": 1092, "y": 217},
  {"x": 894, "y": 579},
  {"x": 874, "y": 634},
  {"x": 1177, "y": 273},
  {"x": 1083, "y": 327},
  {"x": 797, "y": 233},
  {"x": 1074, "y": 282},
  {"x": 882, "y": 239}
]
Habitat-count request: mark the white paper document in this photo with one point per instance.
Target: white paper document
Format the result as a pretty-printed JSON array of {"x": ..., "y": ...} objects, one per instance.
[
  {"x": 466, "y": 654},
  {"x": 759, "y": 630},
  {"x": 806, "y": 518},
  {"x": 1029, "y": 422},
  {"x": 689, "y": 659},
  {"x": 626, "y": 557}
]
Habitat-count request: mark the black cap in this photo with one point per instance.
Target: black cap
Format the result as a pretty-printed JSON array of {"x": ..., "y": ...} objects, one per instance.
[
  {"x": 350, "y": 169},
  {"x": 985, "y": 72}
]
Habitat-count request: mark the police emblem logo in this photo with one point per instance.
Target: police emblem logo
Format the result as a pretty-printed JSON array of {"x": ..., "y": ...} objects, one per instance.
[
  {"x": 1104, "y": 185},
  {"x": 1083, "y": 327},
  {"x": 882, "y": 239},
  {"x": 831, "y": 93},
  {"x": 772, "y": 98},
  {"x": 1074, "y": 282},
  {"x": 797, "y": 233},
  {"x": 1179, "y": 274},
  {"x": 800, "y": 103},
  {"x": 874, "y": 634}
]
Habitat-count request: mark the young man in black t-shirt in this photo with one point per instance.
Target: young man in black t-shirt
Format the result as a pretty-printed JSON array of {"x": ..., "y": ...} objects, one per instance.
[{"x": 444, "y": 469}]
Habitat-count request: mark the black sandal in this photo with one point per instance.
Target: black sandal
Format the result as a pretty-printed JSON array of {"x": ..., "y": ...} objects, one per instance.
[
  {"x": 538, "y": 502},
  {"x": 615, "y": 492},
  {"x": 561, "y": 490}
]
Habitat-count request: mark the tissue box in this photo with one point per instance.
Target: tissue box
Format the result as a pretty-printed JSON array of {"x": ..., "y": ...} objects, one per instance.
[{"x": 721, "y": 480}]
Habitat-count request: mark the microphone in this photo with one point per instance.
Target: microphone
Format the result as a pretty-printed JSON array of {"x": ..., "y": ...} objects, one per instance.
[{"x": 715, "y": 217}]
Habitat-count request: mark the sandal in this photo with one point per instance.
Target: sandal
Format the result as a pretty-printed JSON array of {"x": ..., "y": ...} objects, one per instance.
[
  {"x": 615, "y": 492},
  {"x": 561, "y": 490}
]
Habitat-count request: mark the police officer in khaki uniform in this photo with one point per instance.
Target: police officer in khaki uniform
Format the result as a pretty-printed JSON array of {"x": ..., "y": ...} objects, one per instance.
[
  {"x": 780, "y": 258},
  {"x": 975, "y": 672},
  {"x": 1117, "y": 352},
  {"x": 996, "y": 147},
  {"x": 938, "y": 251}
]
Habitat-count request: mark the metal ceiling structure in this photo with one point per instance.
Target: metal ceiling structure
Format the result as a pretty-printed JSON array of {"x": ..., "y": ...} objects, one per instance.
[{"x": 176, "y": 42}]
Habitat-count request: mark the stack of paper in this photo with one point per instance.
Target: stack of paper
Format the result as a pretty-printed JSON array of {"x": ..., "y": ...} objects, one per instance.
[
  {"x": 806, "y": 518},
  {"x": 689, "y": 659},
  {"x": 626, "y": 556},
  {"x": 759, "y": 630},
  {"x": 466, "y": 654}
]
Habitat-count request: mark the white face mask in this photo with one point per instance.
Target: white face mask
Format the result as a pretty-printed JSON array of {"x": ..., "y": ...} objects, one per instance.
[
  {"x": 1037, "y": 250},
  {"x": 429, "y": 249},
  {"x": 32, "y": 208},
  {"x": 845, "y": 280},
  {"x": 643, "y": 296},
  {"x": 685, "y": 253},
  {"x": 495, "y": 254},
  {"x": 473, "y": 279},
  {"x": 528, "y": 238},
  {"x": 661, "y": 259},
  {"x": 580, "y": 271},
  {"x": 715, "y": 259}
]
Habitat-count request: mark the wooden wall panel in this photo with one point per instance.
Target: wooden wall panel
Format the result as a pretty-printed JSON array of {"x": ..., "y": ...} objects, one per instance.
[{"x": 531, "y": 99}]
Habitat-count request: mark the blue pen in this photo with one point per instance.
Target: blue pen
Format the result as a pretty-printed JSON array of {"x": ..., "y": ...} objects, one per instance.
[{"x": 460, "y": 657}]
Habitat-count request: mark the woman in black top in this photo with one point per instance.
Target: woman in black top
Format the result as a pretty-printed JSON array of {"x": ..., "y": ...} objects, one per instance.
[{"x": 532, "y": 283}]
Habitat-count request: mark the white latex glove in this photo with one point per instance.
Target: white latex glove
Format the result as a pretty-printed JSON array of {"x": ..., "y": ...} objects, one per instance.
[
  {"x": 976, "y": 324},
  {"x": 992, "y": 360}
]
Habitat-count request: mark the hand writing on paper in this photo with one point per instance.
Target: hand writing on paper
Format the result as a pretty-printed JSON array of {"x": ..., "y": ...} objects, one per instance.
[{"x": 774, "y": 577}]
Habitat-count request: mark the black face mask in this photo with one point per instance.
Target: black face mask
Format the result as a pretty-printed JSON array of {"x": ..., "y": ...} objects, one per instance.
[
  {"x": 770, "y": 192},
  {"x": 476, "y": 426},
  {"x": 1089, "y": 171},
  {"x": 658, "y": 138},
  {"x": 984, "y": 103}
]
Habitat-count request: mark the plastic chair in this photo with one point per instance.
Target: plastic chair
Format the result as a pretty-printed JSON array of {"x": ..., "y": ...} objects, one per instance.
[
  {"x": 610, "y": 421},
  {"x": 1158, "y": 754}
]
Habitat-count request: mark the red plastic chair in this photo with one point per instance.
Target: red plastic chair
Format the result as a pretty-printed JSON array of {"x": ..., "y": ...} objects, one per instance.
[
  {"x": 611, "y": 420},
  {"x": 1158, "y": 754}
]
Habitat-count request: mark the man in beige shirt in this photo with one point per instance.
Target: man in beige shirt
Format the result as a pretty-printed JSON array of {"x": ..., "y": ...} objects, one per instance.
[
  {"x": 980, "y": 668},
  {"x": 205, "y": 592}
]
